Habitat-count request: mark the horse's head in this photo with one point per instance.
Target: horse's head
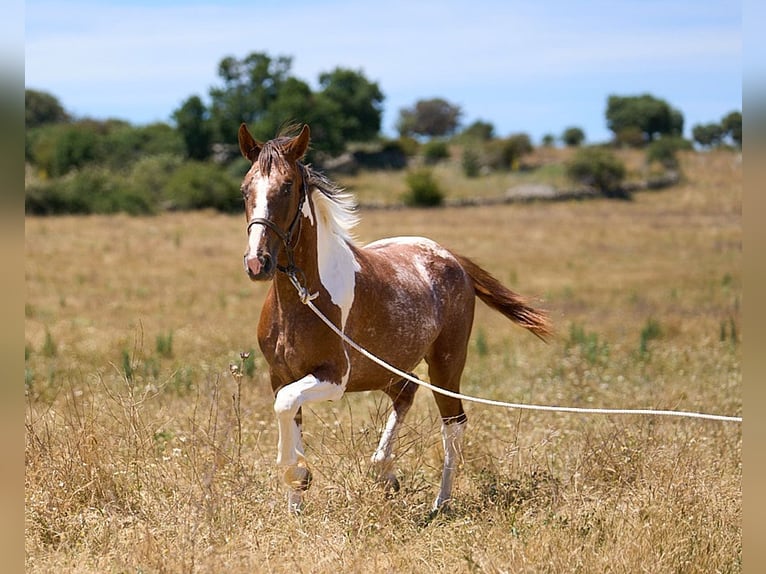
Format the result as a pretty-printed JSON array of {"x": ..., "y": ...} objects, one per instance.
[{"x": 274, "y": 191}]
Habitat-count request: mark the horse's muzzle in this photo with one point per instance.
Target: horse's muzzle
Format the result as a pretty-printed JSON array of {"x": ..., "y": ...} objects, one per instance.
[{"x": 259, "y": 268}]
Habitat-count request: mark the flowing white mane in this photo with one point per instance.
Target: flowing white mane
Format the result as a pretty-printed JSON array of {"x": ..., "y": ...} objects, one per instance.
[{"x": 335, "y": 207}]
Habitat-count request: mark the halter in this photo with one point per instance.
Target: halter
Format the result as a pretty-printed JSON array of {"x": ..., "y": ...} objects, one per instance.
[{"x": 291, "y": 270}]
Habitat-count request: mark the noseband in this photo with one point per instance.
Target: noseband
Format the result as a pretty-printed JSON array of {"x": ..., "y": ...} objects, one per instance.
[{"x": 286, "y": 237}]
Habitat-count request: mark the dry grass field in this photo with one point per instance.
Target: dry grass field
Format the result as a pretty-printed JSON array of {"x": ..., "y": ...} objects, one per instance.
[{"x": 144, "y": 454}]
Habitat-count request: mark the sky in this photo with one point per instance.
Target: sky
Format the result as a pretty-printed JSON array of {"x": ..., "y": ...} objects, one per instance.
[{"x": 533, "y": 67}]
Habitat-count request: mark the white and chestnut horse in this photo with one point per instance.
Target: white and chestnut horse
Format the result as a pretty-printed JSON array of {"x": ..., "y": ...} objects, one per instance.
[{"x": 404, "y": 299}]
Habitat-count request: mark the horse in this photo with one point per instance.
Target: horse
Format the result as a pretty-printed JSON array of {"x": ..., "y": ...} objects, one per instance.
[{"x": 404, "y": 299}]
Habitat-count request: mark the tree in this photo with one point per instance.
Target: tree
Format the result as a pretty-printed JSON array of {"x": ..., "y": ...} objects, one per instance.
[
  {"x": 479, "y": 130},
  {"x": 708, "y": 135},
  {"x": 250, "y": 86},
  {"x": 573, "y": 136},
  {"x": 295, "y": 103},
  {"x": 58, "y": 149},
  {"x": 732, "y": 127},
  {"x": 192, "y": 121},
  {"x": 431, "y": 118},
  {"x": 359, "y": 101},
  {"x": 649, "y": 116},
  {"x": 42, "y": 108}
]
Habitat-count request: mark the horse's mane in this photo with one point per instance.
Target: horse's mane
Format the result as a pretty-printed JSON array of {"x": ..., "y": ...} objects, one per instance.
[{"x": 337, "y": 205}]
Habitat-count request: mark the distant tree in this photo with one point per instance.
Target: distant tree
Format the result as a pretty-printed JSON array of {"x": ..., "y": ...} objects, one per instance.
[
  {"x": 296, "y": 103},
  {"x": 548, "y": 140},
  {"x": 573, "y": 136},
  {"x": 708, "y": 135},
  {"x": 42, "y": 108},
  {"x": 193, "y": 123},
  {"x": 250, "y": 86},
  {"x": 505, "y": 153},
  {"x": 431, "y": 118},
  {"x": 479, "y": 130},
  {"x": 650, "y": 116},
  {"x": 732, "y": 127},
  {"x": 60, "y": 148},
  {"x": 359, "y": 101}
]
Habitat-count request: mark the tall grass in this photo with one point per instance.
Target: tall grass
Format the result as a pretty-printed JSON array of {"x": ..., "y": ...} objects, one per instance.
[{"x": 143, "y": 456}]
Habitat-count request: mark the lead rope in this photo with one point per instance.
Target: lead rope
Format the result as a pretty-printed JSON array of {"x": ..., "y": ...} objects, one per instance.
[{"x": 307, "y": 299}]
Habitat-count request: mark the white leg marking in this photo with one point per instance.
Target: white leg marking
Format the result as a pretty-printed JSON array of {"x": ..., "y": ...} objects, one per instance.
[
  {"x": 286, "y": 405},
  {"x": 290, "y": 449},
  {"x": 382, "y": 458},
  {"x": 452, "y": 436}
]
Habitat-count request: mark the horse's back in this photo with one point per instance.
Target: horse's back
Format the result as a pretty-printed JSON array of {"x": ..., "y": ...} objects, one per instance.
[
  {"x": 408, "y": 292},
  {"x": 418, "y": 264}
]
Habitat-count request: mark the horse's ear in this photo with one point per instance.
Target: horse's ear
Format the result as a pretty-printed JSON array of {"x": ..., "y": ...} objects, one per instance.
[
  {"x": 300, "y": 143},
  {"x": 247, "y": 145}
]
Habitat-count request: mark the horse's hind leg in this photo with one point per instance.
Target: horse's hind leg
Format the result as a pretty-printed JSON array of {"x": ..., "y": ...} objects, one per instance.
[
  {"x": 445, "y": 369},
  {"x": 402, "y": 394}
]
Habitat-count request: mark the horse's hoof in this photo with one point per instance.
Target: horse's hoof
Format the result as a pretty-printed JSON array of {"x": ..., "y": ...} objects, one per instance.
[{"x": 306, "y": 482}]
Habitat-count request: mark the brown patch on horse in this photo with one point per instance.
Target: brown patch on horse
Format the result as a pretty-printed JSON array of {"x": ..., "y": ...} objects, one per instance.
[{"x": 505, "y": 301}]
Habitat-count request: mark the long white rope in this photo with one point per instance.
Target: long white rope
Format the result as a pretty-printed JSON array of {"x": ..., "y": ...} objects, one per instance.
[{"x": 307, "y": 300}]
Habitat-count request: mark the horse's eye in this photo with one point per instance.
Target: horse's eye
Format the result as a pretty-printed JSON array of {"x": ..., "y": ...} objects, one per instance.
[{"x": 287, "y": 187}]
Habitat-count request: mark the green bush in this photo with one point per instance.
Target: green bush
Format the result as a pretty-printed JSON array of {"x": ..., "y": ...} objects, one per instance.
[
  {"x": 435, "y": 151},
  {"x": 505, "y": 153},
  {"x": 90, "y": 190},
  {"x": 663, "y": 151},
  {"x": 197, "y": 185},
  {"x": 408, "y": 146},
  {"x": 471, "y": 162},
  {"x": 599, "y": 168},
  {"x": 424, "y": 190}
]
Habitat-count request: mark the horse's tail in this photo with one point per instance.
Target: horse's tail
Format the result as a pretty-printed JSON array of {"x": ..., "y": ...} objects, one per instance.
[{"x": 502, "y": 299}]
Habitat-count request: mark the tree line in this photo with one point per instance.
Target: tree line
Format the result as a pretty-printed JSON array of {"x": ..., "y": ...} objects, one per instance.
[{"x": 84, "y": 165}]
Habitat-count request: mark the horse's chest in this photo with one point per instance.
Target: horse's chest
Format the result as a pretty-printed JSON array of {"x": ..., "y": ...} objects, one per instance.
[{"x": 294, "y": 347}]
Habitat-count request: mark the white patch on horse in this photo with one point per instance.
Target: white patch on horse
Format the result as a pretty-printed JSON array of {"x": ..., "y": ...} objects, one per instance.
[
  {"x": 286, "y": 404},
  {"x": 261, "y": 210},
  {"x": 336, "y": 261},
  {"x": 421, "y": 256},
  {"x": 452, "y": 437},
  {"x": 383, "y": 458},
  {"x": 307, "y": 213}
]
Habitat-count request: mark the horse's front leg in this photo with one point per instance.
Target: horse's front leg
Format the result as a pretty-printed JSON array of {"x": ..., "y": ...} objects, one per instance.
[{"x": 290, "y": 449}]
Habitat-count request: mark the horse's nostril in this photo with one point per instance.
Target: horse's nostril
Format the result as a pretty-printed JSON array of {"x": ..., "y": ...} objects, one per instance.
[{"x": 265, "y": 261}]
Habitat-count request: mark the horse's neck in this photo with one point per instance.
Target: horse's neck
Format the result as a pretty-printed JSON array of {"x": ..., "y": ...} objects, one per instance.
[{"x": 325, "y": 259}]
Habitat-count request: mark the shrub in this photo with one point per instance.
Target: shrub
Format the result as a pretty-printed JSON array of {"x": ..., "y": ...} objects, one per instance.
[
  {"x": 471, "y": 162},
  {"x": 424, "y": 190},
  {"x": 197, "y": 185},
  {"x": 90, "y": 190},
  {"x": 598, "y": 168},
  {"x": 408, "y": 146},
  {"x": 506, "y": 153},
  {"x": 434, "y": 151},
  {"x": 663, "y": 151}
]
